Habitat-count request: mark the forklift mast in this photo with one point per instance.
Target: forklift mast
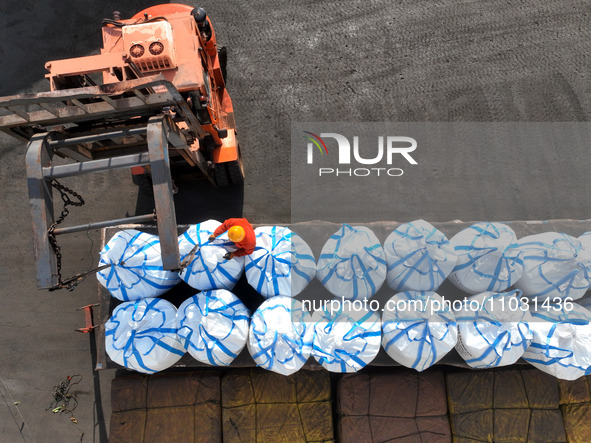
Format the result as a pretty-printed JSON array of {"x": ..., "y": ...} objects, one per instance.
[{"x": 156, "y": 91}]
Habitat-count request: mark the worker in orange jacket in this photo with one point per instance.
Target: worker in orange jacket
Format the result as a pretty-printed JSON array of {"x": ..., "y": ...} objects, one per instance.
[{"x": 241, "y": 233}]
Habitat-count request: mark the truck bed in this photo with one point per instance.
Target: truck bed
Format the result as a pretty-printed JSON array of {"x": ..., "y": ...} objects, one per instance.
[{"x": 315, "y": 233}]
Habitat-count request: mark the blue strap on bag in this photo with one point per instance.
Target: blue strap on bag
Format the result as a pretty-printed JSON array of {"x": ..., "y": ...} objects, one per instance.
[
  {"x": 213, "y": 326},
  {"x": 419, "y": 257},
  {"x": 282, "y": 263},
  {"x": 206, "y": 269},
  {"x": 142, "y": 335},
  {"x": 280, "y": 335},
  {"x": 135, "y": 270},
  {"x": 352, "y": 263}
]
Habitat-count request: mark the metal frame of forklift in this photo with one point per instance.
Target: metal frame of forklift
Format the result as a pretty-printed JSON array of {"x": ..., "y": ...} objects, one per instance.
[{"x": 104, "y": 128}]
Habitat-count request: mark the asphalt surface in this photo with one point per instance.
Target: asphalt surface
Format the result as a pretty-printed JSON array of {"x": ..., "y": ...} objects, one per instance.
[{"x": 291, "y": 62}]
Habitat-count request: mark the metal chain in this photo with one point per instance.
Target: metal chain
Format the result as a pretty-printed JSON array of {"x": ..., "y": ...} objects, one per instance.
[
  {"x": 65, "y": 194},
  {"x": 62, "y": 396}
]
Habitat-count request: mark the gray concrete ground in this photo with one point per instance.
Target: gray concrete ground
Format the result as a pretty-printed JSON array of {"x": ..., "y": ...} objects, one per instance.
[{"x": 288, "y": 61}]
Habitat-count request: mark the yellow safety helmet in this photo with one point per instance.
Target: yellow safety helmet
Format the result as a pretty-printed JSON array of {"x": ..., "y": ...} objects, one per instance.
[{"x": 236, "y": 234}]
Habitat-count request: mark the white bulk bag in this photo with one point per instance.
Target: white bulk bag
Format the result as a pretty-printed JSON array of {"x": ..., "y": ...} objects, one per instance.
[
  {"x": 554, "y": 266},
  {"x": 282, "y": 263},
  {"x": 561, "y": 344},
  {"x": 142, "y": 335},
  {"x": 213, "y": 326},
  {"x": 418, "y": 329},
  {"x": 346, "y": 341},
  {"x": 585, "y": 240},
  {"x": 136, "y": 270},
  {"x": 487, "y": 258},
  {"x": 280, "y": 335},
  {"x": 206, "y": 266},
  {"x": 352, "y": 263},
  {"x": 419, "y": 257},
  {"x": 494, "y": 329}
]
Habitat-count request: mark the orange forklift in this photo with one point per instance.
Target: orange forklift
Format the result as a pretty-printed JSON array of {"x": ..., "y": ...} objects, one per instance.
[{"x": 154, "y": 95}]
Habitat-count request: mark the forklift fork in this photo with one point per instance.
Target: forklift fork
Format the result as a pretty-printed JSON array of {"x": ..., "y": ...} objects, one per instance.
[{"x": 159, "y": 132}]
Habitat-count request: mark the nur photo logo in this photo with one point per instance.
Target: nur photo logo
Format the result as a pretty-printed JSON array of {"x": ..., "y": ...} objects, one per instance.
[{"x": 390, "y": 148}]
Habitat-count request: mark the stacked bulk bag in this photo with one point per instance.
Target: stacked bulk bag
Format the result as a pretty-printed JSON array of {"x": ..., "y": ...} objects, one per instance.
[
  {"x": 142, "y": 335},
  {"x": 206, "y": 268},
  {"x": 213, "y": 326},
  {"x": 419, "y": 257},
  {"x": 561, "y": 344},
  {"x": 418, "y": 329},
  {"x": 346, "y": 341},
  {"x": 280, "y": 335},
  {"x": 488, "y": 259},
  {"x": 136, "y": 270},
  {"x": 554, "y": 266},
  {"x": 352, "y": 263},
  {"x": 282, "y": 263},
  {"x": 494, "y": 329}
]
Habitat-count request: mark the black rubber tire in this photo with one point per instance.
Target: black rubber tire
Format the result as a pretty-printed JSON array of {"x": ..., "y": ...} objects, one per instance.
[
  {"x": 236, "y": 171},
  {"x": 220, "y": 174},
  {"x": 223, "y": 57}
]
